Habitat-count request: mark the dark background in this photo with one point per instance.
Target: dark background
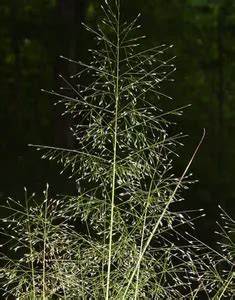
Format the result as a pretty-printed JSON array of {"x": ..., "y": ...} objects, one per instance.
[{"x": 34, "y": 33}]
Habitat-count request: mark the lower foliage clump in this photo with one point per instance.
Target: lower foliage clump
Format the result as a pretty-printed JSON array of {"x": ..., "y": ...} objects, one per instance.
[{"x": 48, "y": 257}]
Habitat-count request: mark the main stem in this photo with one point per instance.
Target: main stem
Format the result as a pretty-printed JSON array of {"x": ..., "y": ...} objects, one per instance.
[{"x": 114, "y": 155}]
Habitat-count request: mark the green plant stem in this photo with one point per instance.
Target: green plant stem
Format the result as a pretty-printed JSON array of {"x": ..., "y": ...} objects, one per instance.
[
  {"x": 218, "y": 297},
  {"x": 114, "y": 155},
  {"x": 161, "y": 217},
  {"x": 141, "y": 248},
  {"x": 142, "y": 239},
  {"x": 30, "y": 246}
]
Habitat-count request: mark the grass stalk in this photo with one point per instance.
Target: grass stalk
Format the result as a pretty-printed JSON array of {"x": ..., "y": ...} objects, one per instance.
[
  {"x": 227, "y": 282},
  {"x": 161, "y": 217},
  {"x": 142, "y": 239},
  {"x": 30, "y": 244},
  {"x": 114, "y": 153}
]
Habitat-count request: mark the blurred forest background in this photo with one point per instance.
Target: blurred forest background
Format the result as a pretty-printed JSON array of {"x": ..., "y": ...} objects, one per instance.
[{"x": 33, "y": 33}]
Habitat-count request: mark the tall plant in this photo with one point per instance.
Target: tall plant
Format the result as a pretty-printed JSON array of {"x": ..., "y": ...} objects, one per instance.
[{"x": 119, "y": 237}]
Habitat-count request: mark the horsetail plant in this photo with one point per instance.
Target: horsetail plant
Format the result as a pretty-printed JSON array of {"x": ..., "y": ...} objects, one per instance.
[{"x": 119, "y": 237}]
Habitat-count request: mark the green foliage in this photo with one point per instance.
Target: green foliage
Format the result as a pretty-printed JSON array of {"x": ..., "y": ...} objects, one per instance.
[{"x": 120, "y": 236}]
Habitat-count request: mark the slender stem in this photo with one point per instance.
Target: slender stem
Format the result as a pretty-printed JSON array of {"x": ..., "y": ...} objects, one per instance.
[
  {"x": 225, "y": 288},
  {"x": 161, "y": 217},
  {"x": 30, "y": 245},
  {"x": 114, "y": 151},
  {"x": 142, "y": 237}
]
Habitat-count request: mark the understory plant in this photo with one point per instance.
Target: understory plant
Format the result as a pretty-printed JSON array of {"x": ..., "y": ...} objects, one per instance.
[{"x": 122, "y": 235}]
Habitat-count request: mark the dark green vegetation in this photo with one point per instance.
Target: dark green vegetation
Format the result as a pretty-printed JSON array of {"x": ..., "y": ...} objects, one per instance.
[{"x": 33, "y": 36}]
